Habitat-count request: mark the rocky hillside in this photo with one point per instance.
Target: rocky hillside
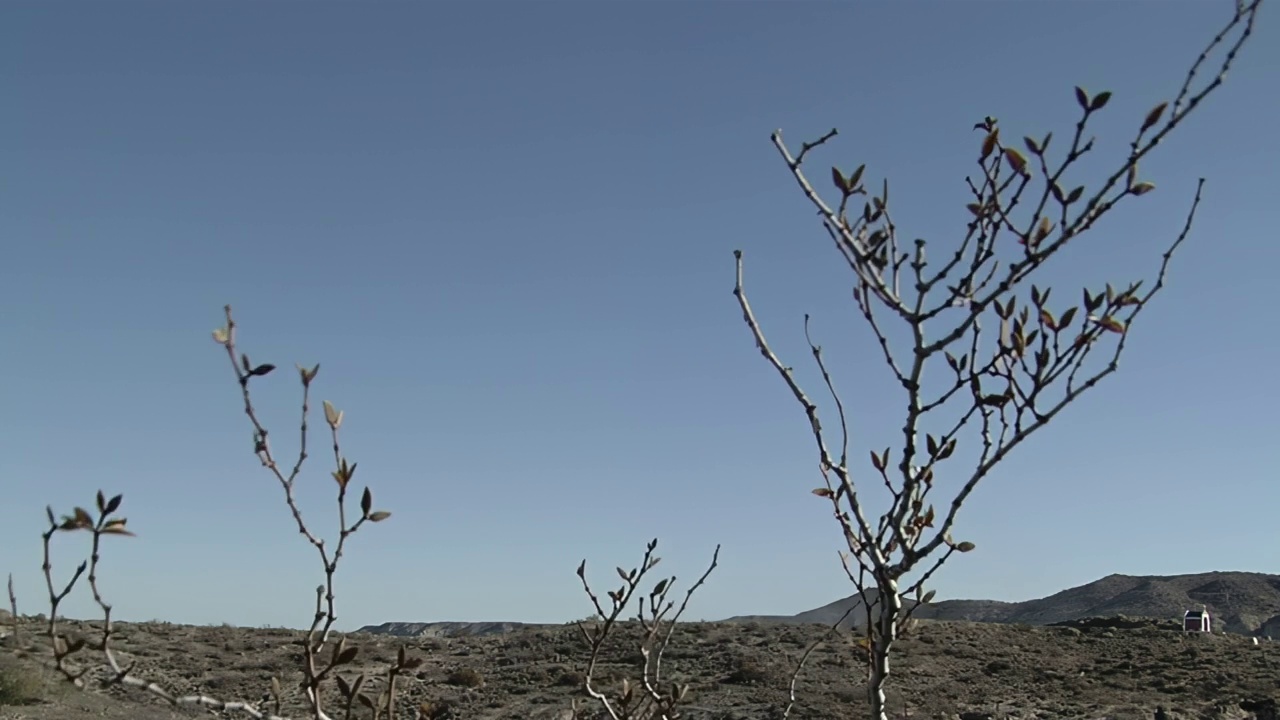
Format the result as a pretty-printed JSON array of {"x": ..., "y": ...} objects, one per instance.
[{"x": 1240, "y": 602}]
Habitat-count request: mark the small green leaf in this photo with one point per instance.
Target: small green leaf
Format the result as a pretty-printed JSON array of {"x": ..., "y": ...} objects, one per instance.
[
  {"x": 1082, "y": 98},
  {"x": 1075, "y": 194},
  {"x": 220, "y": 336},
  {"x": 379, "y": 515},
  {"x": 366, "y": 501},
  {"x": 965, "y": 546},
  {"x": 1142, "y": 188},
  {"x": 825, "y": 492},
  {"x": 1099, "y": 101},
  {"x": 838, "y": 180}
]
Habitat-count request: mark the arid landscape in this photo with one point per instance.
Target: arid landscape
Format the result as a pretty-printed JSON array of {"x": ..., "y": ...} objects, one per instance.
[{"x": 1114, "y": 667}]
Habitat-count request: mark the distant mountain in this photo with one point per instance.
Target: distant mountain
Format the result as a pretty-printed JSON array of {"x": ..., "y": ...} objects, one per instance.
[
  {"x": 443, "y": 629},
  {"x": 1240, "y": 602}
]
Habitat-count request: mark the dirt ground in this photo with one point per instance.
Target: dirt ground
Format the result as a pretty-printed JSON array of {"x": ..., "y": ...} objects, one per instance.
[{"x": 972, "y": 671}]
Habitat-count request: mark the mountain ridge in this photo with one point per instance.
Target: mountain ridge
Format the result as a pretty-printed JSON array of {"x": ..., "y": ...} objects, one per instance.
[{"x": 1240, "y": 602}]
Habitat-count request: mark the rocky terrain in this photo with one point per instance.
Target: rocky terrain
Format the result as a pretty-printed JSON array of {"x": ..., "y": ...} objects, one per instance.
[
  {"x": 1109, "y": 649},
  {"x": 1115, "y": 668}
]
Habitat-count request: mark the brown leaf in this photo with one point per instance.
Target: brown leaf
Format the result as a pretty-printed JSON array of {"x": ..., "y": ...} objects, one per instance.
[
  {"x": 1067, "y": 317},
  {"x": 1046, "y": 227},
  {"x": 82, "y": 517},
  {"x": 989, "y": 143},
  {"x": 1111, "y": 324},
  {"x": 856, "y": 177},
  {"x": 1016, "y": 160},
  {"x": 876, "y": 461},
  {"x": 1153, "y": 117},
  {"x": 1142, "y": 188},
  {"x": 825, "y": 492}
]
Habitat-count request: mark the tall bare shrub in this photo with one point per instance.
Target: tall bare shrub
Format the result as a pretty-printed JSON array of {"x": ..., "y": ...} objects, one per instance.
[{"x": 1000, "y": 387}]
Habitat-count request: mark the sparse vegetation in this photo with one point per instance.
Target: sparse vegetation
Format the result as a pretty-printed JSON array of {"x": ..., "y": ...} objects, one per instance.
[
  {"x": 466, "y": 677},
  {"x": 20, "y": 684},
  {"x": 637, "y": 661}
]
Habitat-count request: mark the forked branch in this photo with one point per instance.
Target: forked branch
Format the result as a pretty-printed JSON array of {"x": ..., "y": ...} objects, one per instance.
[{"x": 647, "y": 698}]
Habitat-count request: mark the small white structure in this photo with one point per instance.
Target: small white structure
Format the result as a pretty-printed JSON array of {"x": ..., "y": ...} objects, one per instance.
[{"x": 1197, "y": 621}]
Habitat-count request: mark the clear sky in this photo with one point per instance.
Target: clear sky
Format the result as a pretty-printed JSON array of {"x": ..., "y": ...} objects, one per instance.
[{"x": 506, "y": 233}]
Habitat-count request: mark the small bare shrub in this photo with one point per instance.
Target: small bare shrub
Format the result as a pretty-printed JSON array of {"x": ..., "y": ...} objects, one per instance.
[
  {"x": 20, "y": 685},
  {"x": 465, "y": 677},
  {"x": 646, "y": 698}
]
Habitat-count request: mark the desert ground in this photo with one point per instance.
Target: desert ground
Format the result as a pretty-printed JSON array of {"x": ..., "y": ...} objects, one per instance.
[{"x": 971, "y": 671}]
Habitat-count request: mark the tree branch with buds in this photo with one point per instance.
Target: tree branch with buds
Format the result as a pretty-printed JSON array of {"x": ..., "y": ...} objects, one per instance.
[
  {"x": 649, "y": 698},
  {"x": 998, "y": 388}
]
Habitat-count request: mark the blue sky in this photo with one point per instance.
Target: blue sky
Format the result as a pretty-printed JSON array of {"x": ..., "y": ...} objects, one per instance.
[{"x": 506, "y": 233}]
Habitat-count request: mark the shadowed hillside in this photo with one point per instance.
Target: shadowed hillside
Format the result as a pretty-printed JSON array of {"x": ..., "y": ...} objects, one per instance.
[{"x": 1241, "y": 602}]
